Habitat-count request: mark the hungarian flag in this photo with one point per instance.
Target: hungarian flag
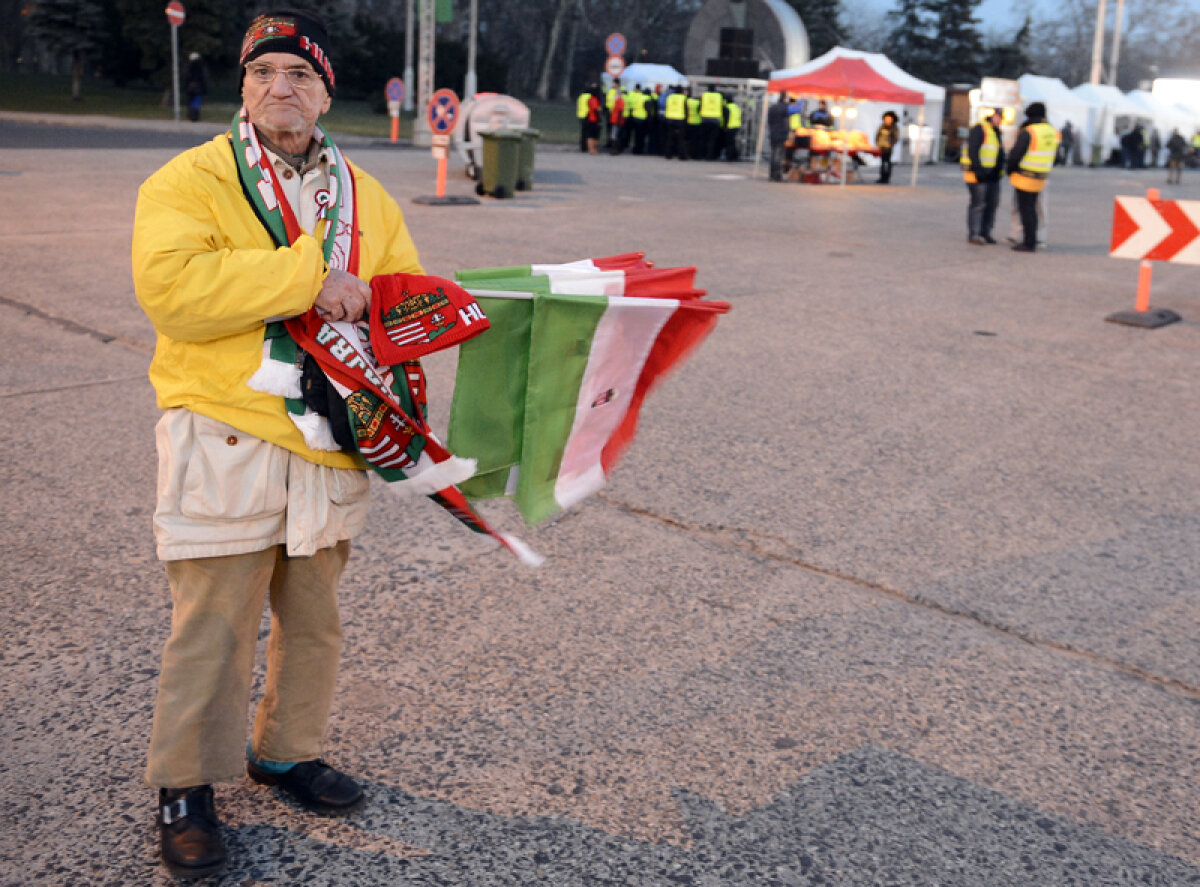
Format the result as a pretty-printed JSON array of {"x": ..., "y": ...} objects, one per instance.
[{"x": 548, "y": 399}]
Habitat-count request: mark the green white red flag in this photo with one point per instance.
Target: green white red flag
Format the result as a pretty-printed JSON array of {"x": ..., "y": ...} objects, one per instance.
[{"x": 548, "y": 399}]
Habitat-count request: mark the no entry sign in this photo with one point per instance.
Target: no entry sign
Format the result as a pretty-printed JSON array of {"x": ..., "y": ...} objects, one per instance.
[{"x": 175, "y": 13}]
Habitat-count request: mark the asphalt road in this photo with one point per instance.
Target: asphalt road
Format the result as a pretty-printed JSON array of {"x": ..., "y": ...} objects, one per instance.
[{"x": 897, "y": 585}]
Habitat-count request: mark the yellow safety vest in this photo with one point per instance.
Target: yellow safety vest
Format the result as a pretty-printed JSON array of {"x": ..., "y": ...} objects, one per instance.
[
  {"x": 710, "y": 105},
  {"x": 1196, "y": 140},
  {"x": 610, "y": 97},
  {"x": 1035, "y": 166},
  {"x": 693, "y": 111},
  {"x": 795, "y": 121},
  {"x": 735, "y": 116},
  {"x": 639, "y": 100},
  {"x": 581, "y": 105},
  {"x": 676, "y": 106},
  {"x": 989, "y": 153}
]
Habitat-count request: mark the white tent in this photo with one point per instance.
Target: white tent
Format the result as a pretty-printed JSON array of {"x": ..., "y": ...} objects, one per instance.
[
  {"x": 1112, "y": 112},
  {"x": 648, "y": 76},
  {"x": 870, "y": 114},
  {"x": 1062, "y": 106}
]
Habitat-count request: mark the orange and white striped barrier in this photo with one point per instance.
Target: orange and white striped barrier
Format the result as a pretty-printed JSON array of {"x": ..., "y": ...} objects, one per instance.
[{"x": 1149, "y": 229}]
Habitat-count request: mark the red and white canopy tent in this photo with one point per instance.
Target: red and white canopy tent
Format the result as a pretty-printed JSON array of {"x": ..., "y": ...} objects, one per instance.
[
  {"x": 847, "y": 78},
  {"x": 871, "y": 80}
]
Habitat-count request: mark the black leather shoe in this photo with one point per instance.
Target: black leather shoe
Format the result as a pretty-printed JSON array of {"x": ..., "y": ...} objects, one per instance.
[
  {"x": 1024, "y": 248},
  {"x": 315, "y": 785},
  {"x": 192, "y": 846},
  {"x": 988, "y": 239}
]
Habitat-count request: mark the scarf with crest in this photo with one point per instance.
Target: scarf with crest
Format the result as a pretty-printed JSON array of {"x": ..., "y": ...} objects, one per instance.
[{"x": 385, "y": 405}]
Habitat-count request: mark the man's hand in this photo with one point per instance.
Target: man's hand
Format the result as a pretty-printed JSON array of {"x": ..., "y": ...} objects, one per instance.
[{"x": 343, "y": 296}]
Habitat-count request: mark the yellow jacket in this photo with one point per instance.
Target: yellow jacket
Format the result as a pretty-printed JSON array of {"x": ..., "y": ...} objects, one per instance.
[{"x": 208, "y": 276}]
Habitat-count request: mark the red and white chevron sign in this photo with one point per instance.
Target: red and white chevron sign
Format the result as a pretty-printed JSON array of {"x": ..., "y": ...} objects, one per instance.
[{"x": 1165, "y": 230}]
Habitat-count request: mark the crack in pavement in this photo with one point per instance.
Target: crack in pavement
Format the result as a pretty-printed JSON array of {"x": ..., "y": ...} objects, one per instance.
[
  {"x": 68, "y": 324},
  {"x": 748, "y": 541}
]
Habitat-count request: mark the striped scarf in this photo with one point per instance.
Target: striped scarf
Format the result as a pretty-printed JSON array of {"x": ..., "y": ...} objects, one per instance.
[{"x": 385, "y": 405}]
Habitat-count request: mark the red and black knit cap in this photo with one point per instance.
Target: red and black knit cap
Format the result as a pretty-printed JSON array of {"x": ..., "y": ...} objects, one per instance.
[{"x": 286, "y": 30}]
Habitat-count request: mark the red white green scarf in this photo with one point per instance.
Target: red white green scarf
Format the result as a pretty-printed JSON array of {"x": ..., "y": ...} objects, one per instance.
[{"x": 386, "y": 405}]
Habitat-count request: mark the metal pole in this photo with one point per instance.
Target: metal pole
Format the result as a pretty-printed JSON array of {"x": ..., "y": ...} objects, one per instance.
[
  {"x": 472, "y": 84},
  {"x": 175, "y": 67},
  {"x": 422, "y": 137},
  {"x": 408, "y": 55},
  {"x": 1098, "y": 42},
  {"x": 1115, "y": 54}
]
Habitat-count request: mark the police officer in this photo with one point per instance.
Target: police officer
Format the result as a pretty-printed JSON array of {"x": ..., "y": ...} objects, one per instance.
[
  {"x": 1029, "y": 166},
  {"x": 675, "y": 114},
  {"x": 733, "y": 128},
  {"x": 712, "y": 118},
  {"x": 982, "y": 161},
  {"x": 581, "y": 112},
  {"x": 610, "y": 102},
  {"x": 638, "y": 116},
  {"x": 694, "y": 129}
]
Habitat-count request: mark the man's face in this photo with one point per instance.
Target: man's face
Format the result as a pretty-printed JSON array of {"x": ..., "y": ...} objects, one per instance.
[{"x": 282, "y": 111}]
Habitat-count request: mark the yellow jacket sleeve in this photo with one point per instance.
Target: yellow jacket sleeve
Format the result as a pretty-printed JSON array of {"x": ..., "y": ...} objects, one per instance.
[{"x": 201, "y": 272}]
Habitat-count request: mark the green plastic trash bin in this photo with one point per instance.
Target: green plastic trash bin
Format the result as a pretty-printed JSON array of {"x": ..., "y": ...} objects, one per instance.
[
  {"x": 529, "y": 139},
  {"x": 501, "y": 162}
]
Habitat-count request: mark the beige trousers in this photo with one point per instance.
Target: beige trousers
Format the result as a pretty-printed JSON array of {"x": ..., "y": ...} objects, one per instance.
[{"x": 204, "y": 687}]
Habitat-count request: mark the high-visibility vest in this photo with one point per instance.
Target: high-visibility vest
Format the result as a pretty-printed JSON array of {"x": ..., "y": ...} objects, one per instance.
[
  {"x": 610, "y": 97},
  {"x": 1196, "y": 140},
  {"x": 693, "y": 111},
  {"x": 795, "y": 121},
  {"x": 735, "y": 116},
  {"x": 581, "y": 105},
  {"x": 1035, "y": 166},
  {"x": 676, "y": 106},
  {"x": 989, "y": 153},
  {"x": 710, "y": 105},
  {"x": 639, "y": 100}
]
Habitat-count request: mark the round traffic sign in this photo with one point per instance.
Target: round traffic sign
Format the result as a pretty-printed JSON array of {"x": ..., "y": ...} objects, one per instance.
[
  {"x": 443, "y": 111},
  {"x": 394, "y": 90},
  {"x": 615, "y": 44},
  {"x": 614, "y": 66},
  {"x": 175, "y": 13}
]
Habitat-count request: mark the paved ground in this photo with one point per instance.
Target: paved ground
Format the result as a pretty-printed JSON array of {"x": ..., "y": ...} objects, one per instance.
[{"x": 898, "y": 584}]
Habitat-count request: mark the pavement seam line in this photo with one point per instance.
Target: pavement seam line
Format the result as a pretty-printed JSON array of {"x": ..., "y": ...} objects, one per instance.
[
  {"x": 725, "y": 536},
  {"x": 113, "y": 380},
  {"x": 72, "y": 326}
]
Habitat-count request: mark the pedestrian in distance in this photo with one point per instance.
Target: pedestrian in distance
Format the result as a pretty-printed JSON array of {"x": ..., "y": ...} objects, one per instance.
[
  {"x": 886, "y": 139},
  {"x": 982, "y": 161},
  {"x": 594, "y": 120},
  {"x": 778, "y": 130},
  {"x": 195, "y": 85},
  {"x": 1177, "y": 149},
  {"x": 1029, "y": 167},
  {"x": 252, "y": 506}
]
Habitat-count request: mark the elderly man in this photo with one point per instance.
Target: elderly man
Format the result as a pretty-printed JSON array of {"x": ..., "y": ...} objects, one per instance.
[{"x": 266, "y": 221}]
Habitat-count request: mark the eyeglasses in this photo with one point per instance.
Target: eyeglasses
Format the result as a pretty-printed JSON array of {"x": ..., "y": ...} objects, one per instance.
[{"x": 300, "y": 78}]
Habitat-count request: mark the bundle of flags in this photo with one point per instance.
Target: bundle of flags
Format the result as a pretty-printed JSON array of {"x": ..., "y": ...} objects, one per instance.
[{"x": 548, "y": 400}]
